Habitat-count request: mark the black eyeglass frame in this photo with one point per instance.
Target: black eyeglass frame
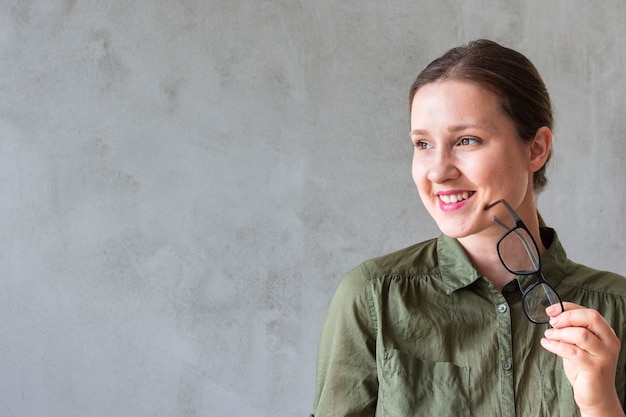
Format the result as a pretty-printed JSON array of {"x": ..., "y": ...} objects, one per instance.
[{"x": 541, "y": 280}]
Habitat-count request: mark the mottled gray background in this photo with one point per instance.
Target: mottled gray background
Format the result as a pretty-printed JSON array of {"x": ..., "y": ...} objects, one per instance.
[{"x": 185, "y": 182}]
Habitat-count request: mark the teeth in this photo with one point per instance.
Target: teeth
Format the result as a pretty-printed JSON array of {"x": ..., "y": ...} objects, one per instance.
[{"x": 454, "y": 198}]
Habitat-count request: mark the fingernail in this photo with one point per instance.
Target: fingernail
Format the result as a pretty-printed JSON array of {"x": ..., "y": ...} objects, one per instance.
[
  {"x": 553, "y": 309},
  {"x": 554, "y": 321},
  {"x": 548, "y": 332}
]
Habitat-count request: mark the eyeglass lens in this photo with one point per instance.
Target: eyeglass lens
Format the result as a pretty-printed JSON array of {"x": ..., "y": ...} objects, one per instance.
[
  {"x": 537, "y": 299},
  {"x": 518, "y": 252},
  {"x": 520, "y": 256}
]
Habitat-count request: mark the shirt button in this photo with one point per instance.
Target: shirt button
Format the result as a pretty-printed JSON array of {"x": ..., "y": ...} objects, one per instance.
[
  {"x": 507, "y": 366},
  {"x": 502, "y": 308}
]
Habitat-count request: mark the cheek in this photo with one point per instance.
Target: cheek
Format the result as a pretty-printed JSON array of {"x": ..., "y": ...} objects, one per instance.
[
  {"x": 418, "y": 173},
  {"x": 516, "y": 171},
  {"x": 509, "y": 178}
]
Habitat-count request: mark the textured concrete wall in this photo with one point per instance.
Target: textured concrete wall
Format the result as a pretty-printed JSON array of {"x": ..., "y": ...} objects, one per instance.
[{"x": 185, "y": 182}]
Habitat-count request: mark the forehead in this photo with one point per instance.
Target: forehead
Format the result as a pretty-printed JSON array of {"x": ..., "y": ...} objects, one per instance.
[
  {"x": 460, "y": 95},
  {"x": 455, "y": 102}
]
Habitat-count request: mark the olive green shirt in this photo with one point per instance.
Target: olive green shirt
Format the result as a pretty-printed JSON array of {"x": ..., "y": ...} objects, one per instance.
[{"x": 420, "y": 332}]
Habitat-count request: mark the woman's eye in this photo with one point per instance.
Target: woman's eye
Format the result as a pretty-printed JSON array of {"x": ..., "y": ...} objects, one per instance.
[
  {"x": 467, "y": 141},
  {"x": 420, "y": 144}
]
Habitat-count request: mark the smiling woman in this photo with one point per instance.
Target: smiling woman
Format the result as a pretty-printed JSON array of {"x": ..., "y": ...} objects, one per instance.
[
  {"x": 446, "y": 327},
  {"x": 465, "y": 145}
]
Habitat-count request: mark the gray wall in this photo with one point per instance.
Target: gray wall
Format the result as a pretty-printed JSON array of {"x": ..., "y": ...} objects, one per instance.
[{"x": 185, "y": 182}]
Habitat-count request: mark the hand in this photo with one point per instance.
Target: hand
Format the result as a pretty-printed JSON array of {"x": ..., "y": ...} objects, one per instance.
[{"x": 590, "y": 349}]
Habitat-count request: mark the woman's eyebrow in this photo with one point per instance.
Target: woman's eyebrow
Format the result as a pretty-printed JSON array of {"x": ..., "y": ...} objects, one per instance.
[
  {"x": 417, "y": 132},
  {"x": 459, "y": 127},
  {"x": 453, "y": 128}
]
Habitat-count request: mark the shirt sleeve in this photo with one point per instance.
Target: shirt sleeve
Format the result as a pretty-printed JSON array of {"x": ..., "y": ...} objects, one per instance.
[{"x": 347, "y": 380}]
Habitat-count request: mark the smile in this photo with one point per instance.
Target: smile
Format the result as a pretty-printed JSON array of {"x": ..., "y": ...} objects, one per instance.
[{"x": 455, "y": 198}]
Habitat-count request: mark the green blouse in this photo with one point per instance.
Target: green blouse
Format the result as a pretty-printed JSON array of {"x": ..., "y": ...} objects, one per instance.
[{"x": 420, "y": 332}]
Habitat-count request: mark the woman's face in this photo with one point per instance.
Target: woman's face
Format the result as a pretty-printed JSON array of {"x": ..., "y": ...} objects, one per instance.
[{"x": 467, "y": 155}]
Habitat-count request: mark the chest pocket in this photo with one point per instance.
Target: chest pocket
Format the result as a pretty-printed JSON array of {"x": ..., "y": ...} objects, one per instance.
[
  {"x": 557, "y": 395},
  {"x": 412, "y": 387}
]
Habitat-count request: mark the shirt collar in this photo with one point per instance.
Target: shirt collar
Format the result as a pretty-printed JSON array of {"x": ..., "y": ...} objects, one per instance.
[
  {"x": 457, "y": 270},
  {"x": 554, "y": 262},
  {"x": 454, "y": 265}
]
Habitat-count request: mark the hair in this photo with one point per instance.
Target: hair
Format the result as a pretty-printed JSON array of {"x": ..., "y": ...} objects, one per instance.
[{"x": 507, "y": 73}]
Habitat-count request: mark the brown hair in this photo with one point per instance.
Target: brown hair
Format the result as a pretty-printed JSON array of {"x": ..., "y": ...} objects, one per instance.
[{"x": 510, "y": 75}]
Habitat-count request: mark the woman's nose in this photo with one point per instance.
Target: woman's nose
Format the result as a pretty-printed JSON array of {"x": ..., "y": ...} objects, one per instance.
[{"x": 442, "y": 168}]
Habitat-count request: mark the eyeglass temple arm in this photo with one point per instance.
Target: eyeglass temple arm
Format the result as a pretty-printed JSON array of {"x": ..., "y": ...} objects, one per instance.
[
  {"x": 552, "y": 296},
  {"x": 495, "y": 219},
  {"x": 508, "y": 208},
  {"x": 529, "y": 251}
]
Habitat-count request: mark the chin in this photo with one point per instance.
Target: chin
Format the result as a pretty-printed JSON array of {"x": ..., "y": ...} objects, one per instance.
[
  {"x": 454, "y": 235},
  {"x": 455, "y": 232}
]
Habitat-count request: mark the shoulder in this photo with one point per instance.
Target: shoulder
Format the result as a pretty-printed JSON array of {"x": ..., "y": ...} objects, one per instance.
[
  {"x": 420, "y": 258},
  {"x": 603, "y": 291},
  {"x": 595, "y": 280},
  {"x": 579, "y": 280},
  {"x": 417, "y": 259}
]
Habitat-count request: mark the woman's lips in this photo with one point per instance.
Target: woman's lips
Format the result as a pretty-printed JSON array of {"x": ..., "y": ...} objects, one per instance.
[
  {"x": 455, "y": 197},
  {"x": 450, "y": 201}
]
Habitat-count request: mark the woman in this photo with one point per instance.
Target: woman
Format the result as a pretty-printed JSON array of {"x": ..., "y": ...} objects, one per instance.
[{"x": 439, "y": 328}]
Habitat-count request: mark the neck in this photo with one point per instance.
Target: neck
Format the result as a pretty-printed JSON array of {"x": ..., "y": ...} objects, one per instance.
[
  {"x": 484, "y": 256},
  {"x": 481, "y": 249}
]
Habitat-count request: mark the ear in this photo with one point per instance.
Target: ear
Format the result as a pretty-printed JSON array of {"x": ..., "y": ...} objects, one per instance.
[{"x": 540, "y": 148}]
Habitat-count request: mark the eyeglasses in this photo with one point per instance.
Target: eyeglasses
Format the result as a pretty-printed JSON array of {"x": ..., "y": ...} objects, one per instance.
[{"x": 519, "y": 254}]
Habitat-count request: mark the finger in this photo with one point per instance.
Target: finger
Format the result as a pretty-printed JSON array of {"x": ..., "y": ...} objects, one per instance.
[
  {"x": 572, "y": 306},
  {"x": 568, "y": 351},
  {"x": 591, "y": 355},
  {"x": 575, "y": 340},
  {"x": 555, "y": 309},
  {"x": 581, "y": 330},
  {"x": 586, "y": 318}
]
